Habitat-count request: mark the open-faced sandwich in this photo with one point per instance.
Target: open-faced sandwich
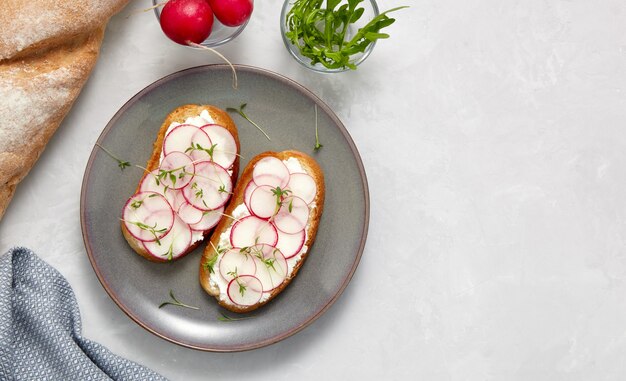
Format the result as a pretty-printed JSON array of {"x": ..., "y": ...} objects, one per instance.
[
  {"x": 270, "y": 225},
  {"x": 188, "y": 181}
]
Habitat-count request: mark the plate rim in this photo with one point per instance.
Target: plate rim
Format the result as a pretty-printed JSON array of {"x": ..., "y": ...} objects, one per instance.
[{"x": 295, "y": 85}]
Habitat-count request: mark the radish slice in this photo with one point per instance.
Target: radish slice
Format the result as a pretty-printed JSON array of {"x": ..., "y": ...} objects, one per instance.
[
  {"x": 290, "y": 244},
  {"x": 302, "y": 185},
  {"x": 178, "y": 199},
  {"x": 292, "y": 216},
  {"x": 270, "y": 171},
  {"x": 236, "y": 263},
  {"x": 200, "y": 146},
  {"x": 189, "y": 213},
  {"x": 271, "y": 266},
  {"x": 245, "y": 290},
  {"x": 151, "y": 183},
  {"x": 209, "y": 219},
  {"x": 252, "y": 230},
  {"x": 263, "y": 202},
  {"x": 176, "y": 170},
  {"x": 248, "y": 192},
  {"x": 225, "y": 151},
  {"x": 173, "y": 244},
  {"x": 147, "y": 216},
  {"x": 211, "y": 187},
  {"x": 181, "y": 137}
]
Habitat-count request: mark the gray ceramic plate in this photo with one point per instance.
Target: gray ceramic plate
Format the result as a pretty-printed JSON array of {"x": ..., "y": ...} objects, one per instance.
[{"x": 286, "y": 110}]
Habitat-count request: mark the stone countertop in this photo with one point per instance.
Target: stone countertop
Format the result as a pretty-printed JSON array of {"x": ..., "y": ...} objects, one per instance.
[{"x": 493, "y": 134}]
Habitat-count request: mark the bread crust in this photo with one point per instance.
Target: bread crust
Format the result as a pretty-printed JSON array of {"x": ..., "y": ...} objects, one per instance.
[
  {"x": 179, "y": 115},
  {"x": 47, "y": 51},
  {"x": 315, "y": 171}
]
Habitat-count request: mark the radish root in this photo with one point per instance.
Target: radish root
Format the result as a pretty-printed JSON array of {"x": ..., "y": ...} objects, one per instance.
[
  {"x": 147, "y": 9},
  {"x": 195, "y": 45}
]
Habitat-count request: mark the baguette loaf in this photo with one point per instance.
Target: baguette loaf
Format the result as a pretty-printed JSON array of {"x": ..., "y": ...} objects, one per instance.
[
  {"x": 157, "y": 180},
  {"x": 47, "y": 50},
  {"x": 222, "y": 277}
]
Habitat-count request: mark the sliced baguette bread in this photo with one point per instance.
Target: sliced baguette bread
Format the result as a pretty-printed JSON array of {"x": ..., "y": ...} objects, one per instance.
[
  {"x": 253, "y": 255},
  {"x": 157, "y": 235}
]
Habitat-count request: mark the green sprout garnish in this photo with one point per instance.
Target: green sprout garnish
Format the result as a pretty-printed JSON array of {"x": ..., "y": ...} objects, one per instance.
[
  {"x": 243, "y": 115},
  {"x": 317, "y": 139},
  {"x": 199, "y": 147},
  {"x": 176, "y": 302},
  {"x": 151, "y": 229},
  {"x": 227, "y": 318},
  {"x": 120, "y": 163}
]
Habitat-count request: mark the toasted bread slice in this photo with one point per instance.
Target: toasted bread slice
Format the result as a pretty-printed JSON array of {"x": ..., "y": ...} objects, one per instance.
[
  {"x": 180, "y": 115},
  {"x": 211, "y": 273}
]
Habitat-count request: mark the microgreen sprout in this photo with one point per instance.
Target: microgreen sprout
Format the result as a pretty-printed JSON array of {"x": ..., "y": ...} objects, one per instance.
[
  {"x": 317, "y": 139},
  {"x": 227, "y": 318},
  {"x": 170, "y": 174},
  {"x": 151, "y": 229},
  {"x": 208, "y": 265},
  {"x": 268, "y": 262},
  {"x": 243, "y": 115},
  {"x": 198, "y": 192},
  {"x": 170, "y": 252},
  {"x": 279, "y": 194},
  {"x": 199, "y": 147},
  {"x": 176, "y": 302},
  {"x": 242, "y": 287},
  {"x": 120, "y": 163}
]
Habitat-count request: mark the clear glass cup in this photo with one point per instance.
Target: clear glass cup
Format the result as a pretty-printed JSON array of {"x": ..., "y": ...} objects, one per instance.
[
  {"x": 370, "y": 11},
  {"x": 220, "y": 34}
]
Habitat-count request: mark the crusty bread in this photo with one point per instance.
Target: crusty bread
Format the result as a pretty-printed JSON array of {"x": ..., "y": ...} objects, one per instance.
[
  {"x": 313, "y": 169},
  {"x": 180, "y": 114},
  {"x": 47, "y": 50}
]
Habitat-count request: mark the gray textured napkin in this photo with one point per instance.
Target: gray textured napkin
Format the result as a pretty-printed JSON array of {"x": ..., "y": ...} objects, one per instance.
[{"x": 40, "y": 329}]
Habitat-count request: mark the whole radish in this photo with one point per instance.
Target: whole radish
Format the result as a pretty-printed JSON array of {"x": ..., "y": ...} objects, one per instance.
[
  {"x": 232, "y": 12},
  {"x": 185, "y": 21}
]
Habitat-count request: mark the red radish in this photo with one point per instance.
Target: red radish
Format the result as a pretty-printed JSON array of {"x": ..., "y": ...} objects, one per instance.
[
  {"x": 263, "y": 202},
  {"x": 245, "y": 290},
  {"x": 181, "y": 138},
  {"x": 178, "y": 199},
  {"x": 211, "y": 187},
  {"x": 232, "y": 12},
  {"x": 209, "y": 219},
  {"x": 303, "y": 186},
  {"x": 185, "y": 21},
  {"x": 147, "y": 216},
  {"x": 189, "y": 213},
  {"x": 252, "y": 230},
  {"x": 236, "y": 262},
  {"x": 292, "y": 216},
  {"x": 151, "y": 183},
  {"x": 176, "y": 170},
  {"x": 247, "y": 193},
  {"x": 225, "y": 151},
  {"x": 290, "y": 244},
  {"x": 270, "y": 171},
  {"x": 173, "y": 244},
  {"x": 271, "y": 266}
]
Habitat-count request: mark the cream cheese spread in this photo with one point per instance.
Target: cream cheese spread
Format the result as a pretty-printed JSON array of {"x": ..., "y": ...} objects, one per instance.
[
  {"x": 217, "y": 283},
  {"x": 200, "y": 120}
]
